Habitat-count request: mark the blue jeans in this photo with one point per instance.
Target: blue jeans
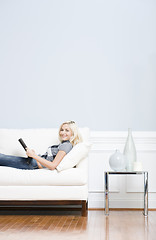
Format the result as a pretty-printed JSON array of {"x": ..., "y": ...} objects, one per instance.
[{"x": 18, "y": 162}]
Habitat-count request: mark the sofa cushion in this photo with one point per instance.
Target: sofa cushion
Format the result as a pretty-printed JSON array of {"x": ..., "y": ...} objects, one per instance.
[
  {"x": 78, "y": 153},
  {"x": 18, "y": 177},
  {"x": 37, "y": 139}
]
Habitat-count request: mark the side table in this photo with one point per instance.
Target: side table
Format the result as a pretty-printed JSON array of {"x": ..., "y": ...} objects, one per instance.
[{"x": 106, "y": 175}]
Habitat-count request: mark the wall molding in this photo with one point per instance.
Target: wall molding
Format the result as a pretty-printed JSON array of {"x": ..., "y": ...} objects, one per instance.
[{"x": 103, "y": 141}]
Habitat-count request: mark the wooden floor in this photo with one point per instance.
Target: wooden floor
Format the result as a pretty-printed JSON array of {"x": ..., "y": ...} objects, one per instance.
[{"x": 119, "y": 225}]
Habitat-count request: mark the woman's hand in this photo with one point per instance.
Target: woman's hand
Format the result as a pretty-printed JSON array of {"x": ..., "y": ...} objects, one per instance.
[{"x": 30, "y": 153}]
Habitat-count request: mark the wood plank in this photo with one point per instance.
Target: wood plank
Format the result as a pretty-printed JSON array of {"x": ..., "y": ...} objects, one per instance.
[{"x": 118, "y": 225}]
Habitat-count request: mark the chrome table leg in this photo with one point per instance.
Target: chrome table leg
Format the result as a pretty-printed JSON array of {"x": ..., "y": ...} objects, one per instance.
[
  {"x": 145, "y": 193},
  {"x": 106, "y": 194}
]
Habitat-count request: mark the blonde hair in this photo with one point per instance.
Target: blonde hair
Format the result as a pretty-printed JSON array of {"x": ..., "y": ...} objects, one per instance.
[{"x": 76, "y": 137}]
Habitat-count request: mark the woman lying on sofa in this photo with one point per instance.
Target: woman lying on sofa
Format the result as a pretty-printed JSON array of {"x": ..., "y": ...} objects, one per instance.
[{"x": 69, "y": 136}]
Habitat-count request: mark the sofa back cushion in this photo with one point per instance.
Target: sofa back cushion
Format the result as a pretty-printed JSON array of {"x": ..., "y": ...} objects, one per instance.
[{"x": 37, "y": 139}]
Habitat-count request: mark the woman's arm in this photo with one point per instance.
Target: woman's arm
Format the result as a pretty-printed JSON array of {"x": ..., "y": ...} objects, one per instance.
[{"x": 51, "y": 165}]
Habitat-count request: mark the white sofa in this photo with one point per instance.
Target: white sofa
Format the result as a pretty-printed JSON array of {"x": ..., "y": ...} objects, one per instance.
[{"x": 64, "y": 186}]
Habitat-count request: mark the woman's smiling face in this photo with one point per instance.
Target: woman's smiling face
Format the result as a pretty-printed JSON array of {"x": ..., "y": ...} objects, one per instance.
[{"x": 65, "y": 132}]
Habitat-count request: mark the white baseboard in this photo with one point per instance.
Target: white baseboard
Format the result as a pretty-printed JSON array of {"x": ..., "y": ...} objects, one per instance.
[{"x": 128, "y": 204}]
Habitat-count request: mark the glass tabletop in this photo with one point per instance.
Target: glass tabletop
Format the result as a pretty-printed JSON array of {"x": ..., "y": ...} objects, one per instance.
[{"x": 125, "y": 172}]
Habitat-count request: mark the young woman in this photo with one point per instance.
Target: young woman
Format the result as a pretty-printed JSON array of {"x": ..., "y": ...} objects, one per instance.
[{"x": 68, "y": 136}]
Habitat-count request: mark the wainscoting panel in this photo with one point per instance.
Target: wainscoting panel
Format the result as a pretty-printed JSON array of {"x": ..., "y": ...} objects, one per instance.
[{"x": 125, "y": 191}]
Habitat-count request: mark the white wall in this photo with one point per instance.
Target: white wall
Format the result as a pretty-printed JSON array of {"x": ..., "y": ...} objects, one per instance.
[{"x": 89, "y": 60}]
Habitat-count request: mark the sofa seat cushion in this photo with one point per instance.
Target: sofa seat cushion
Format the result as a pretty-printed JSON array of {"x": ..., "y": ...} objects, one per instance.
[{"x": 42, "y": 177}]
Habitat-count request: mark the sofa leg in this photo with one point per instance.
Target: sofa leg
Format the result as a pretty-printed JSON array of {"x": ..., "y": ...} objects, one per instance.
[
  {"x": 84, "y": 208},
  {"x": 87, "y": 205}
]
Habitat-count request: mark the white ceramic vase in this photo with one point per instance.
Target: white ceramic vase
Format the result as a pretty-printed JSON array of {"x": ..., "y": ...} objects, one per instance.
[
  {"x": 117, "y": 161},
  {"x": 130, "y": 152}
]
